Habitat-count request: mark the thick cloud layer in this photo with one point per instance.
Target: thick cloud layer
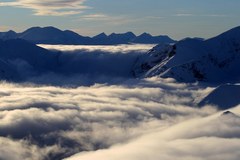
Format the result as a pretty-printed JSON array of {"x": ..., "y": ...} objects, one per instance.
[
  {"x": 142, "y": 48},
  {"x": 86, "y": 65},
  {"x": 211, "y": 138},
  {"x": 68, "y": 65},
  {"x": 62, "y": 121}
]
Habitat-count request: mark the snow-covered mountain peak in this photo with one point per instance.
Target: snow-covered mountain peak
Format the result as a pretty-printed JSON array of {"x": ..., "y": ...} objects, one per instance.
[
  {"x": 215, "y": 60},
  {"x": 155, "y": 57}
]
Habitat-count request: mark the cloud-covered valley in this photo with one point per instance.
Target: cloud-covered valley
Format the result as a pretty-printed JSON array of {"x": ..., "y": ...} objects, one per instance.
[
  {"x": 21, "y": 61},
  {"x": 91, "y": 107},
  {"x": 84, "y": 65},
  {"x": 58, "y": 121}
]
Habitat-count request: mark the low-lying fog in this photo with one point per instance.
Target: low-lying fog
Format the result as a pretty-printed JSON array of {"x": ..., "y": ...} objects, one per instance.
[{"x": 87, "y": 65}]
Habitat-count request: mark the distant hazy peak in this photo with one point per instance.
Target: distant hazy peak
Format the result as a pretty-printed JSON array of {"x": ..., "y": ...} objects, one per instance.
[
  {"x": 129, "y": 34},
  {"x": 101, "y": 35},
  {"x": 145, "y": 35},
  {"x": 11, "y": 31},
  {"x": 52, "y": 35}
]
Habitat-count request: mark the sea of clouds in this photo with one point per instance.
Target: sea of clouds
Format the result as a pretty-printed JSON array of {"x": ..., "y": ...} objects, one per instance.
[
  {"x": 87, "y": 65},
  {"x": 49, "y": 122},
  {"x": 122, "y": 48},
  {"x": 121, "y": 119}
]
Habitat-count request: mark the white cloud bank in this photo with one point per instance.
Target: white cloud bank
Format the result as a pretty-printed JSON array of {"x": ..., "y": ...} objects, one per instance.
[
  {"x": 142, "y": 48},
  {"x": 211, "y": 138},
  {"x": 59, "y": 122}
]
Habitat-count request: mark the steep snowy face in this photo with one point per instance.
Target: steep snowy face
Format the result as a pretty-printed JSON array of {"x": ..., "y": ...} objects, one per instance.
[
  {"x": 155, "y": 58},
  {"x": 215, "y": 60},
  {"x": 230, "y": 92},
  {"x": 166, "y": 56}
]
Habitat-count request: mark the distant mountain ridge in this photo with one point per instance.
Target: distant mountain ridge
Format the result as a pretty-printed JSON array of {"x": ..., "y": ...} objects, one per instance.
[
  {"x": 52, "y": 35},
  {"x": 213, "y": 60}
]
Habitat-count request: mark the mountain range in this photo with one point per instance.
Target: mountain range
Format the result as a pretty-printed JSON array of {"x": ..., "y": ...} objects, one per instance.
[
  {"x": 189, "y": 60},
  {"x": 212, "y": 60},
  {"x": 52, "y": 35}
]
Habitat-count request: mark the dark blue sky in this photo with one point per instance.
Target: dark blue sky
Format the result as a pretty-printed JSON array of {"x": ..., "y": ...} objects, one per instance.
[{"x": 177, "y": 18}]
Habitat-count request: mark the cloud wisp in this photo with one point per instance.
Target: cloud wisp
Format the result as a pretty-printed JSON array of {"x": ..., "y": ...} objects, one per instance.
[{"x": 49, "y": 7}]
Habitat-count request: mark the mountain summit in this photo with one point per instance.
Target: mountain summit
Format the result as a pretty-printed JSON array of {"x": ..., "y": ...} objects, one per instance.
[
  {"x": 213, "y": 60},
  {"x": 51, "y": 35}
]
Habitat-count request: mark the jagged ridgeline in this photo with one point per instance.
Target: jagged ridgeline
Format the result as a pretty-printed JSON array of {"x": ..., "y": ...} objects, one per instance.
[{"x": 52, "y": 35}]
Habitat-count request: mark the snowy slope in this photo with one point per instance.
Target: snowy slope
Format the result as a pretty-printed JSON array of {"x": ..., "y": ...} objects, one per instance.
[
  {"x": 215, "y": 60},
  {"x": 224, "y": 96}
]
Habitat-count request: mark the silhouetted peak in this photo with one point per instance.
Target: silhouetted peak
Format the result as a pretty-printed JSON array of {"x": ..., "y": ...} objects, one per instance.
[
  {"x": 69, "y": 32},
  {"x": 127, "y": 34},
  {"x": 8, "y": 35},
  {"x": 32, "y": 29},
  {"x": 101, "y": 35},
  {"x": 230, "y": 34},
  {"x": 50, "y": 28},
  {"x": 163, "y": 36},
  {"x": 189, "y": 40},
  {"x": 199, "y": 38},
  {"x": 40, "y": 29},
  {"x": 236, "y": 29},
  {"x": 194, "y": 38},
  {"x": 145, "y": 35},
  {"x": 11, "y": 32},
  {"x": 131, "y": 34}
]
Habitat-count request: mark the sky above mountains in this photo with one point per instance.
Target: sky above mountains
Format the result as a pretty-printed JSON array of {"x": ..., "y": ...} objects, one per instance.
[{"x": 178, "y": 19}]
